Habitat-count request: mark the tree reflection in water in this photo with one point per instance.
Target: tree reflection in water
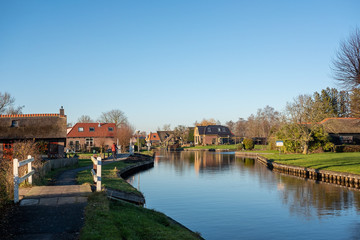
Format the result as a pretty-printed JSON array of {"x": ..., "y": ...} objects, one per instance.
[{"x": 304, "y": 197}]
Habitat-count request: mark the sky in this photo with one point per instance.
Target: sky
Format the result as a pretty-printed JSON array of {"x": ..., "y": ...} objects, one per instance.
[{"x": 168, "y": 62}]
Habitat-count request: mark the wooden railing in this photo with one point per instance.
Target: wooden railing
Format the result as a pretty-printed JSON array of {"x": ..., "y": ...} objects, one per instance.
[
  {"x": 96, "y": 172},
  {"x": 17, "y": 179}
]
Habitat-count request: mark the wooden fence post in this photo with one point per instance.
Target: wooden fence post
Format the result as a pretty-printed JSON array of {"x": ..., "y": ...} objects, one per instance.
[
  {"x": 16, "y": 179},
  {"x": 98, "y": 174},
  {"x": 29, "y": 170}
]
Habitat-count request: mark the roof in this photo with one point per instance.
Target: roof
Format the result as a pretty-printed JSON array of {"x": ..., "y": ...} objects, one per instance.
[
  {"x": 341, "y": 125},
  {"x": 163, "y": 135},
  {"x": 92, "y": 130},
  {"x": 30, "y": 126},
  {"x": 219, "y": 130},
  {"x": 153, "y": 137}
]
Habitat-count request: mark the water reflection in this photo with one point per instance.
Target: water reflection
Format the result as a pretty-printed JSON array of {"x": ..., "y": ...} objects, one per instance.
[
  {"x": 213, "y": 192},
  {"x": 304, "y": 197}
]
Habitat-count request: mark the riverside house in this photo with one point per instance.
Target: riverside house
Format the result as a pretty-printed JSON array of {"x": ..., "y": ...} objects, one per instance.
[
  {"x": 153, "y": 139},
  {"x": 85, "y": 136},
  {"x": 50, "y": 129},
  {"x": 343, "y": 130},
  {"x": 212, "y": 135}
]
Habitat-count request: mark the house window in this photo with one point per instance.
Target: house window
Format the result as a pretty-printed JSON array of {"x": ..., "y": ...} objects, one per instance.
[
  {"x": 110, "y": 129},
  {"x": 346, "y": 139},
  {"x": 219, "y": 129},
  {"x": 223, "y": 129},
  {"x": 209, "y": 129},
  {"x": 14, "y": 123},
  {"x": 89, "y": 141},
  {"x": 91, "y": 129},
  {"x": 71, "y": 143},
  {"x": 80, "y": 129}
]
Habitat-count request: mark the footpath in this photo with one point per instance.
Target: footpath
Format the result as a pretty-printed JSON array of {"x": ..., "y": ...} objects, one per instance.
[{"x": 51, "y": 212}]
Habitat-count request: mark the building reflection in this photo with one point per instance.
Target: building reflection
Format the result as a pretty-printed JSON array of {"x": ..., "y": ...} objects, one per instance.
[{"x": 305, "y": 198}]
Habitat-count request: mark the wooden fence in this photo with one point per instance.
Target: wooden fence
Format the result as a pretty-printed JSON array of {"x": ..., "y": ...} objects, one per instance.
[
  {"x": 96, "y": 172},
  {"x": 17, "y": 179}
]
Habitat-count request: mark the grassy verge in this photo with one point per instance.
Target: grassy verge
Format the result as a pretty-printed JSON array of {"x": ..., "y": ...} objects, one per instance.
[
  {"x": 109, "y": 177},
  {"x": 105, "y": 219},
  {"x": 339, "y": 162},
  {"x": 118, "y": 220}
]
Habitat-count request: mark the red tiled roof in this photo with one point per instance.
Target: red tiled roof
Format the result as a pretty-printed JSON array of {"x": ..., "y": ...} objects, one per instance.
[
  {"x": 99, "y": 131},
  {"x": 154, "y": 137},
  {"x": 31, "y": 115}
]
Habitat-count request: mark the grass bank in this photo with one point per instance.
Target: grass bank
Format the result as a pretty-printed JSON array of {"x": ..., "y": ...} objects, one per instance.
[
  {"x": 105, "y": 219},
  {"x": 339, "y": 162},
  {"x": 109, "y": 177},
  {"x": 119, "y": 220}
]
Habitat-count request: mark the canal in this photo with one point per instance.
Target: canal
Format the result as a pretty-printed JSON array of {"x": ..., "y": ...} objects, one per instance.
[{"x": 227, "y": 197}]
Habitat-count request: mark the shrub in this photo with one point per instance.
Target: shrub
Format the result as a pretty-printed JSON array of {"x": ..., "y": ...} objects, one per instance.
[
  {"x": 21, "y": 151},
  {"x": 240, "y": 146},
  {"x": 347, "y": 148},
  {"x": 248, "y": 144}
]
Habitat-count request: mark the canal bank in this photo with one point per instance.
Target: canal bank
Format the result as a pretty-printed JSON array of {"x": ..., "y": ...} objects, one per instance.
[
  {"x": 122, "y": 219},
  {"x": 339, "y": 178}
]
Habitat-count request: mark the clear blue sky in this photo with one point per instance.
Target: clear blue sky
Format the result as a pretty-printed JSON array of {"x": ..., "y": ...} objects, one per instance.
[{"x": 168, "y": 62}]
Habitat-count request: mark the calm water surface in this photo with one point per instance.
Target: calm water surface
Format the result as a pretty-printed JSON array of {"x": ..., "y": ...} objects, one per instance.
[{"x": 227, "y": 197}]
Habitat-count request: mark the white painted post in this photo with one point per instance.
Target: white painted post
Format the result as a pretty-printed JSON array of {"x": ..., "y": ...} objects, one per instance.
[
  {"x": 29, "y": 169},
  {"x": 16, "y": 180},
  {"x": 98, "y": 174}
]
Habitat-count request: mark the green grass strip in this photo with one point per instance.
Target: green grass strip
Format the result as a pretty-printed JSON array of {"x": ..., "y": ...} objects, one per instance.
[{"x": 339, "y": 162}]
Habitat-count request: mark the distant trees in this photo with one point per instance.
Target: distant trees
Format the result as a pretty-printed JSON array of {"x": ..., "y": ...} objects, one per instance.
[
  {"x": 355, "y": 103},
  {"x": 302, "y": 128},
  {"x": 262, "y": 124},
  {"x": 182, "y": 133},
  {"x": 85, "y": 119},
  {"x": 206, "y": 122},
  {"x": 114, "y": 116},
  {"x": 7, "y": 104}
]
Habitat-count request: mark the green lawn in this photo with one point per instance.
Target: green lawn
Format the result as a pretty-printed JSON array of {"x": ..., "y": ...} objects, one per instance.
[
  {"x": 106, "y": 219},
  {"x": 109, "y": 177},
  {"x": 339, "y": 162}
]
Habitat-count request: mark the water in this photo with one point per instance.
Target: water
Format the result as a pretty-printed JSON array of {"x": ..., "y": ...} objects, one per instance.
[{"x": 227, "y": 197}]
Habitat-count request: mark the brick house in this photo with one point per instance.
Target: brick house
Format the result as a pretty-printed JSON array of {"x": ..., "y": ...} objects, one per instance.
[
  {"x": 212, "y": 135},
  {"x": 49, "y": 129},
  {"x": 343, "y": 130},
  {"x": 84, "y": 136},
  {"x": 153, "y": 139}
]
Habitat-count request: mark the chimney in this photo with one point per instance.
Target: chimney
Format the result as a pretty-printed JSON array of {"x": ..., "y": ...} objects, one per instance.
[{"x": 62, "y": 112}]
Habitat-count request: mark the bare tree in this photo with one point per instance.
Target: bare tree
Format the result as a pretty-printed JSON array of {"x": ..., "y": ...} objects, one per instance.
[
  {"x": 207, "y": 122},
  {"x": 123, "y": 134},
  {"x": 85, "y": 119},
  {"x": 305, "y": 115},
  {"x": 166, "y": 127},
  {"x": 114, "y": 116},
  {"x": 7, "y": 104},
  {"x": 346, "y": 66}
]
